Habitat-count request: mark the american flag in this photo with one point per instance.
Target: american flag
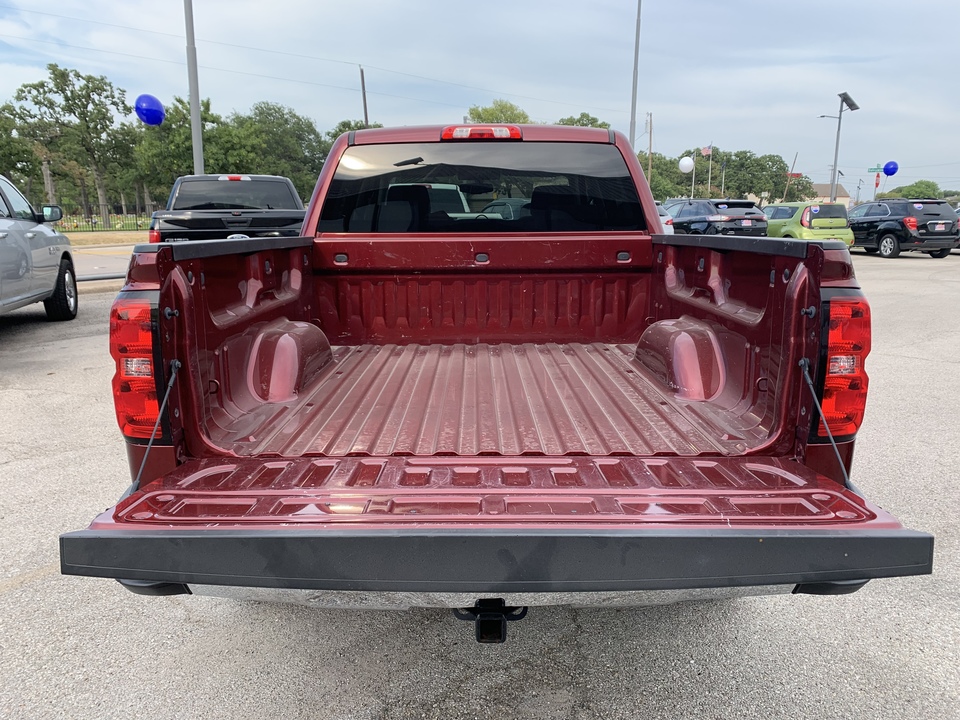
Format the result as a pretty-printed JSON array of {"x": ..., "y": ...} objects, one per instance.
[{"x": 706, "y": 150}]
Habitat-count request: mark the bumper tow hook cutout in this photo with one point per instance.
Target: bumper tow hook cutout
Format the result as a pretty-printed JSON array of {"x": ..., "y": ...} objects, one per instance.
[{"x": 491, "y": 617}]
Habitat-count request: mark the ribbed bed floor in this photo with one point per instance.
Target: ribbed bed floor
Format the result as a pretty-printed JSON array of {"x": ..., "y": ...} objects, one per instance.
[{"x": 504, "y": 399}]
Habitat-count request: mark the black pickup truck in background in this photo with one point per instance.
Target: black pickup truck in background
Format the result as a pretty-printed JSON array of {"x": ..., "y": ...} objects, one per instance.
[{"x": 210, "y": 207}]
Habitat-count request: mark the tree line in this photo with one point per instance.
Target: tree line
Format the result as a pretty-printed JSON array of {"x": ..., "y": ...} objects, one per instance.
[
  {"x": 718, "y": 173},
  {"x": 72, "y": 141},
  {"x": 919, "y": 189}
]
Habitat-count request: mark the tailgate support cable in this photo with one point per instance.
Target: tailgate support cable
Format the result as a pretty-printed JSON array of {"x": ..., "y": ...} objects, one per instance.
[
  {"x": 805, "y": 366},
  {"x": 174, "y": 366}
]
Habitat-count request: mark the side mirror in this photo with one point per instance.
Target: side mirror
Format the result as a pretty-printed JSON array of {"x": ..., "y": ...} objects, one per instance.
[{"x": 51, "y": 213}]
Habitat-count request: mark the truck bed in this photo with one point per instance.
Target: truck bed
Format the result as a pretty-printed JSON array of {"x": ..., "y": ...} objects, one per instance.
[
  {"x": 406, "y": 403},
  {"x": 485, "y": 399}
]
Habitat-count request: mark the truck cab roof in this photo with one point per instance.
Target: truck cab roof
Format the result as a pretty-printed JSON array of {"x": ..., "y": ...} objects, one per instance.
[{"x": 432, "y": 133}]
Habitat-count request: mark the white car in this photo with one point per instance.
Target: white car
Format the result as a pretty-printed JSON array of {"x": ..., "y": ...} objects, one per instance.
[
  {"x": 666, "y": 219},
  {"x": 35, "y": 260}
]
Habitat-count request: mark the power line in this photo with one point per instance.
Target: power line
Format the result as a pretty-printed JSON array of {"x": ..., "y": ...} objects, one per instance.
[
  {"x": 227, "y": 70},
  {"x": 303, "y": 57}
]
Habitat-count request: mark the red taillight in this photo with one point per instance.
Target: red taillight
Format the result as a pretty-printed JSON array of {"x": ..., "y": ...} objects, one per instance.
[
  {"x": 845, "y": 382},
  {"x": 805, "y": 218},
  {"x": 134, "y": 387},
  {"x": 481, "y": 132},
  {"x": 153, "y": 235},
  {"x": 910, "y": 222},
  {"x": 668, "y": 221},
  {"x": 718, "y": 218}
]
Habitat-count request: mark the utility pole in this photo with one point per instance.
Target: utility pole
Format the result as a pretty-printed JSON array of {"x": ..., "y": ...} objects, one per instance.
[
  {"x": 636, "y": 68},
  {"x": 649, "y": 146},
  {"x": 196, "y": 125},
  {"x": 363, "y": 91},
  {"x": 790, "y": 177},
  {"x": 709, "y": 170}
]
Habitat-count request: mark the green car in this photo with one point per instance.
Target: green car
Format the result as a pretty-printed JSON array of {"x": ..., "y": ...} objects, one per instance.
[{"x": 809, "y": 221}]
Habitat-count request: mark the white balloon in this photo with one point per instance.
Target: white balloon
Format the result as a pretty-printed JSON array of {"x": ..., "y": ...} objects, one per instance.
[{"x": 686, "y": 164}]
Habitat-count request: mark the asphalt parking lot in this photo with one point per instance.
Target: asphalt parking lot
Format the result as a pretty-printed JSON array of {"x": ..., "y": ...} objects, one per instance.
[{"x": 81, "y": 647}]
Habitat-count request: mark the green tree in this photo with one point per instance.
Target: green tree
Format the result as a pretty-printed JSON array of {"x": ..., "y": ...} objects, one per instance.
[
  {"x": 666, "y": 180},
  {"x": 343, "y": 127},
  {"x": 919, "y": 189},
  {"x": 85, "y": 108},
  {"x": 165, "y": 152},
  {"x": 733, "y": 174},
  {"x": 289, "y": 144},
  {"x": 499, "y": 111},
  {"x": 16, "y": 154},
  {"x": 124, "y": 179},
  {"x": 584, "y": 120}
]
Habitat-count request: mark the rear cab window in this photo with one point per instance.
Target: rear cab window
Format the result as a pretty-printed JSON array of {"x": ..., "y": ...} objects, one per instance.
[
  {"x": 252, "y": 194},
  {"x": 561, "y": 187}
]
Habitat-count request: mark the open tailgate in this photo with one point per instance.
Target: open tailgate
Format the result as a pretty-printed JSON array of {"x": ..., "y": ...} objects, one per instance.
[{"x": 495, "y": 524}]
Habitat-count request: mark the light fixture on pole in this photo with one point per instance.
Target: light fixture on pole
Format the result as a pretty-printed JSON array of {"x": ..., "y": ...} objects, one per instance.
[
  {"x": 636, "y": 68},
  {"x": 196, "y": 125},
  {"x": 848, "y": 102}
]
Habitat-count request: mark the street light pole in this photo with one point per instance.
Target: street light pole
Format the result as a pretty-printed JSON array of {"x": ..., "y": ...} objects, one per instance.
[
  {"x": 636, "y": 69},
  {"x": 196, "y": 127},
  {"x": 845, "y": 100}
]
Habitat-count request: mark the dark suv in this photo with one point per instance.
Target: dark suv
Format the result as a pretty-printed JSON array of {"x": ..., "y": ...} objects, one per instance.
[
  {"x": 893, "y": 226},
  {"x": 717, "y": 217}
]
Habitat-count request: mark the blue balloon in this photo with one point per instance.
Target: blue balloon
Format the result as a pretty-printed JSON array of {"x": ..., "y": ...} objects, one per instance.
[
  {"x": 149, "y": 110},
  {"x": 890, "y": 168}
]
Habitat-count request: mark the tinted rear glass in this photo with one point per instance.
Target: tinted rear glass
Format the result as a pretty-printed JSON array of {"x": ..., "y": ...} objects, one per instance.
[
  {"x": 234, "y": 195},
  {"x": 570, "y": 187},
  {"x": 931, "y": 210},
  {"x": 828, "y": 211},
  {"x": 741, "y": 206}
]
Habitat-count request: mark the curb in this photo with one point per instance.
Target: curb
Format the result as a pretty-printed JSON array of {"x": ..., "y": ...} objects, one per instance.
[{"x": 100, "y": 286}]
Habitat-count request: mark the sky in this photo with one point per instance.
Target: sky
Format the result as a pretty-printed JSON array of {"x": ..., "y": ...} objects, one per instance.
[{"x": 738, "y": 75}]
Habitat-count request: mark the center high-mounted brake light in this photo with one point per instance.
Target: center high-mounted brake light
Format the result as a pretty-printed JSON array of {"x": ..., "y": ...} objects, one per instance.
[
  {"x": 234, "y": 177},
  {"x": 134, "y": 386},
  {"x": 481, "y": 132},
  {"x": 845, "y": 383}
]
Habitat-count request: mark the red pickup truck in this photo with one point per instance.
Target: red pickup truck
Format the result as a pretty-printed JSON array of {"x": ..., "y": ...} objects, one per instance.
[{"x": 487, "y": 411}]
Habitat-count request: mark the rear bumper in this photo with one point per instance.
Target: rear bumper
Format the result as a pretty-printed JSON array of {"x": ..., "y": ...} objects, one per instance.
[
  {"x": 496, "y": 560},
  {"x": 926, "y": 243},
  {"x": 737, "y": 229},
  {"x": 939, "y": 244},
  {"x": 844, "y": 235}
]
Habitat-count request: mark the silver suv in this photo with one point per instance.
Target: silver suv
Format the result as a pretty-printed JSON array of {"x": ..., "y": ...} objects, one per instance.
[{"x": 35, "y": 260}]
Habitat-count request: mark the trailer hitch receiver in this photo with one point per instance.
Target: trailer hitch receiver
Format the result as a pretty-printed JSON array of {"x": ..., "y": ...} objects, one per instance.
[{"x": 490, "y": 617}]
